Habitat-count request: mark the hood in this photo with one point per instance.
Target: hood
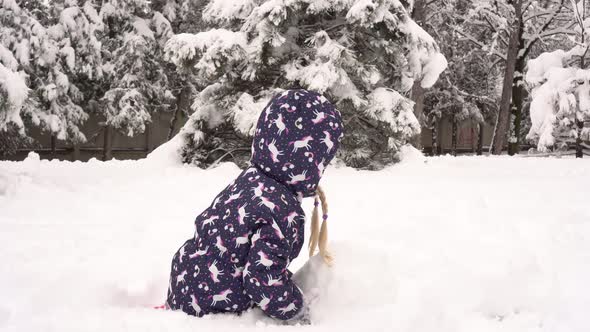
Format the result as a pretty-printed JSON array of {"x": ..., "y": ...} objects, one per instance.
[{"x": 297, "y": 135}]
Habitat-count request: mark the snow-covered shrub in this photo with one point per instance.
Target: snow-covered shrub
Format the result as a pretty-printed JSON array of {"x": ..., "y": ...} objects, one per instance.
[
  {"x": 53, "y": 57},
  {"x": 137, "y": 82},
  {"x": 560, "y": 95},
  {"x": 364, "y": 55},
  {"x": 560, "y": 87}
]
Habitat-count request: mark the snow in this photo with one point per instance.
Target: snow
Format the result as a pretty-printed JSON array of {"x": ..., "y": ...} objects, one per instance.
[
  {"x": 162, "y": 25},
  {"x": 425, "y": 61},
  {"x": 142, "y": 28},
  {"x": 245, "y": 113},
  {"x": 7, "y": 59},
  {"x": 397, "y": 111},
  {"x": 538, "y": 67},
  {"x": 228, "y": 10},
  {"x": 560, "y": 94},
  {"x": 22, "y": 52},
  {"x": 432, "y": 244},
  {"x": 91, "y": 13},
  {"x": 434, "y": 66},
  {"x": 68, "y": 18},
  {"x": 13, "y": 84},
  {"x": 214, "y": 44},
  {"x": 70, "y": 57},
  {"x": 11, "y": 5},
  {"x": 318, "y": 6}
]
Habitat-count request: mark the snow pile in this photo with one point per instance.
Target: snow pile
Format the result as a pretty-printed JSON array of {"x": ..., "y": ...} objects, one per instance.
[
  {"x": 438, "y": 246},
  {"x": 408, "y": 154},
  {"x": 168, "y": 154}
]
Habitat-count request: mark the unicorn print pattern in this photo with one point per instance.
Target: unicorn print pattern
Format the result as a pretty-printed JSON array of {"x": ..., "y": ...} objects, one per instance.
[{"x": 244, "y": 241}]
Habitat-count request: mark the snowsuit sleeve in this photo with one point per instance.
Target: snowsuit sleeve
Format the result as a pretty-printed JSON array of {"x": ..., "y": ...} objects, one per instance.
[{"x": 266, "y": 278}]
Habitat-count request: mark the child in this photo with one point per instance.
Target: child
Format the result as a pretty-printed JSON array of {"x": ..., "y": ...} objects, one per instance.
[{"x": 253, "y": 229}]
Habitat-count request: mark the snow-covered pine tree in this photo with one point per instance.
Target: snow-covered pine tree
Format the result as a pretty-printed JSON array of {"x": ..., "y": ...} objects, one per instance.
[
  {"x": 137, "y": 84},
  {"x": 364, "y": 55},
  {"x": 183, "y": 15},
  {"x": 560, "y": 86},
  {"x": 46, "y": 58}
]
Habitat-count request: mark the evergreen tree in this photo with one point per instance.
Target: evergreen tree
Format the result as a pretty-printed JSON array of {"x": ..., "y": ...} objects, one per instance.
[
  {"x": 137, "y": 84},
  {"x": 42, "y": 56},
  {"x": 363, "y": 55}
]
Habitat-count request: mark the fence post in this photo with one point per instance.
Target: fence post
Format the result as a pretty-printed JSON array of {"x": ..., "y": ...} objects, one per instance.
[
  {"x": 148, "y": 138},
  {"x": 108, "y": 143},
  {"x": 579, "y": 148},
  {"x": 53, "y": 145},
  {"x": 480, "y": 140}
]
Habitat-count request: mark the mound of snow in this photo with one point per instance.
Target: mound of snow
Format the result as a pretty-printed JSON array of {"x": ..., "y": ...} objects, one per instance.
[
  {"x": 409, "y": 154},
  {"x": 436, "y": 247},
  {"x": 167, "y": 154}
]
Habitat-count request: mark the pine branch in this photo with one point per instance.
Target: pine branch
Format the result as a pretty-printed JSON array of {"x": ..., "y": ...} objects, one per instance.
[{"x": 474, "y": 41}]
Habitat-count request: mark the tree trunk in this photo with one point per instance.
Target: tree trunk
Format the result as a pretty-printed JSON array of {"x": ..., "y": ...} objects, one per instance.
[
  {"x": 472, "y": 139},
  {"x": 108, "y": 143},
  {"x": 439, "y": 138},
  {"x": 505, "y": 101},
  {"x": 519, "y": 95},
  {"x": 53, "y": 145},
  {"x": 434, "y": 140},
  {"x": 480, "y": 140},
  {"x": 454, "y": 137}
]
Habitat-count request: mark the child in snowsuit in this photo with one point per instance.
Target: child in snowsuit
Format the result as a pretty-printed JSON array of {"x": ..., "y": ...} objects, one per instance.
[{"x": 253, "y": 229}]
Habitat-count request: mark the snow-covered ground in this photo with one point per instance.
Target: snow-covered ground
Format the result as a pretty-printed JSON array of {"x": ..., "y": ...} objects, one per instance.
[{"x": 437, "y": 244}]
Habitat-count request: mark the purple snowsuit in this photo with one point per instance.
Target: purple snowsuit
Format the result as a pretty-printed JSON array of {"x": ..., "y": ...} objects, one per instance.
[{"x": 253, "y": 229}]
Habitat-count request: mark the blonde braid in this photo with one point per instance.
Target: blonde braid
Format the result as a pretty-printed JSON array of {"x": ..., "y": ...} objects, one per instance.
[{"x": 319, "y": 236}]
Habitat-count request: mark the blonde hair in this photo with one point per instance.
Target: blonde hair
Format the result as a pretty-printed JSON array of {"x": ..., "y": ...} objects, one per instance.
[{"x": 319, "y": 236}]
